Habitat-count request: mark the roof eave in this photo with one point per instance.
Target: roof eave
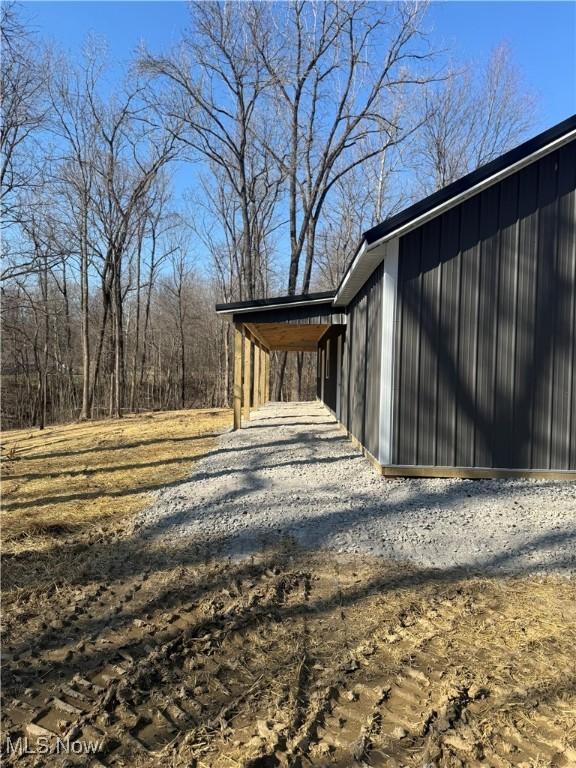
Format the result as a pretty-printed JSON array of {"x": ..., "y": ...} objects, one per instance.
[
  {"x": 265, "y": 305},
  {"x": 370, "y": 254}
]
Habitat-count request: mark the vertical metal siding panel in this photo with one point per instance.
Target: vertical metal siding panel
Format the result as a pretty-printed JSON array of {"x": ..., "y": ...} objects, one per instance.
[
  {"x": 373, "y": 350},
  {"x": 358, "y": 369},
  {"x": 333, "y": 367},
  {"x": 352, "y": 366},
  {"x": 563, "y": 421},
  {"x": 328, "y": 377},
  {"x": 494, "y": 316},
  {"x": 467, "y": 337},
  {"x": 329, "y": 340},
  {"x": 543, "y": 339},
  {"x": 448, "y": 338},
  {"x": 429, "y": 330},
  {"x": 353, "y": 398},
  {"x": 348, "y": 350},
  {"x": 364, "y": 438},
  {"x": 318, "y": 371},
  {"x": 354, "y": 370},
  {"x": 487, "y": 336},
  {"x": 506, "y": 319},
  {"x": 376, "y": 370},
  {"x": 525, "y": 315},
  {"x": 397, "y": 401},
  {"x": 343, "y": 380},
  {"x": 345, "y": 376},
  {"x": 409, "y": 280},
  {"x": 568, "y": 229}
]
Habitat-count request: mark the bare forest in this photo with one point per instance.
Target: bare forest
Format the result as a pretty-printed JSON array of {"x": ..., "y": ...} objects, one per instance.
[{"x": 244, "y": 162}]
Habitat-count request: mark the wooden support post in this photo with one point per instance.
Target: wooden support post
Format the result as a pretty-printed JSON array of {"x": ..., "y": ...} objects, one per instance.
[
  {"x": 237, "y": 376},
  {"x": 267, "y": 378},
  {"x": 247, "y": 377},
  {"x": 263, "y": 376},
  {"x": 256, "y": 383}
]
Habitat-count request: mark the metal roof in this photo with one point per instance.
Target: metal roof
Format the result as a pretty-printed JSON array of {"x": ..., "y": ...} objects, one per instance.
[
  {"x": 521, "y": 152},
  {"x": 262, "y": 305},
  {"x": 372, "y": 248}
]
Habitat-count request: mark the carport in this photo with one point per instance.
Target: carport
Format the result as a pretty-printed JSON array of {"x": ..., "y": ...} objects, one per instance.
[{"x": 282, "y": 324}]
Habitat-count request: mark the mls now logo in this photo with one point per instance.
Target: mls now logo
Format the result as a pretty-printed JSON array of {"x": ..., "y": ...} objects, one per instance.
[{"x": 44, "y": 745}]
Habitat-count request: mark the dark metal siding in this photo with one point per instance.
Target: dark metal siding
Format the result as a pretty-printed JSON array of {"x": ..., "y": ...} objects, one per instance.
[
  {"x": 486, "y": 332},
  {"x": 360, "y": 390},
  {"x": 329, "y": 341},
  {"x": 311, "y": 315},
  {"x": 373, "y": 356}
]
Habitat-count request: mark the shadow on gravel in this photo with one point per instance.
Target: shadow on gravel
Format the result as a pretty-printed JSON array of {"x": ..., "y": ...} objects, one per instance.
[{"x": 138, "y": 555}]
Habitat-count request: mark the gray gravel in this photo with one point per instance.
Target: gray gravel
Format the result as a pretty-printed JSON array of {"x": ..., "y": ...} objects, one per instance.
[{"x": 293, "y": 474}]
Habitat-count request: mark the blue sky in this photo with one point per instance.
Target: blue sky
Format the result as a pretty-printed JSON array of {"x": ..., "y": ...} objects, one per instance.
[{"x": 542, "y": 36}]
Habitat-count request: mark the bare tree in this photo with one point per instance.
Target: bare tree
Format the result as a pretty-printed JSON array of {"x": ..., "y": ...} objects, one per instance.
[
  {"x": 131, "y": 152},
  {"x": 311, "y": 119},
  {"x": 332, "y": 94},
  {"x": 215, "y": 86},
  {"x": 336, "y": 100},
  {"x": 22, "y": 84},
  {"x": 365, "y": 196},
  {"x": 472, "y": 117},
  {"x": 71, "y": 91}
]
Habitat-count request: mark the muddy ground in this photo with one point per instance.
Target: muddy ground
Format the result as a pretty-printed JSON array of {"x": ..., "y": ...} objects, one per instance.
[{"x": 162, "y": 657}]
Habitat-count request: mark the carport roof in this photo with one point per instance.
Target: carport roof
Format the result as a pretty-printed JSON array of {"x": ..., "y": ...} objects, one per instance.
[{"x": 264, "y": 305}]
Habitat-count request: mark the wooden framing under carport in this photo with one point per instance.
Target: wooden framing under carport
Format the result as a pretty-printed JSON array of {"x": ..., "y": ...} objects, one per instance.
[
  {"x": 285, "y": 337},
  {"x": 251, "y": 373},
  {"x": 284, "y": 324}
]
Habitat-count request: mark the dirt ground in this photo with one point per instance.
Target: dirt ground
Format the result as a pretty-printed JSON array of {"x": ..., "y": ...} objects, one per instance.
[{"x": 162, "y": 656}]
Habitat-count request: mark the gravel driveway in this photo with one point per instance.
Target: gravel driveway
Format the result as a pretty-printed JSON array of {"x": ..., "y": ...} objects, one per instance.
[{"x": 292, "y": 474}]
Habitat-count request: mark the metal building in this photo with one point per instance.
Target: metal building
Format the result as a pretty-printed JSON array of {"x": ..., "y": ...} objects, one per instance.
[{"x": 449, "y": 347}]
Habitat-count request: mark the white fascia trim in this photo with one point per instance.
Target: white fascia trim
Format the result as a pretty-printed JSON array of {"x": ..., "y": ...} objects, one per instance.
[
  {"x": 360, "y": 254},
  {"x": 389, "y": 320},
  {"x": 274, "y": 306},
  {"x": 364, "y": 250}
]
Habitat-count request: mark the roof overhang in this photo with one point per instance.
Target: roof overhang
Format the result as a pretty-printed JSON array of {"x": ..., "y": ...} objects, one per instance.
[
  {"x": 372, "y": 248},
  {"x": 278, "y": 302},
  {"x": 374, "y": 244}
]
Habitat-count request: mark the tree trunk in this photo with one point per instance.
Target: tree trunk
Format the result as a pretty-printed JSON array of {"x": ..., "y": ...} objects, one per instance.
[
  {"x": 133, "y": 402},
  {"x": 87, "y": 396},
  {"x": 44, "y": 387},
  {"x": 106, "y": 302},
  {"x": 118, "y": 342}
]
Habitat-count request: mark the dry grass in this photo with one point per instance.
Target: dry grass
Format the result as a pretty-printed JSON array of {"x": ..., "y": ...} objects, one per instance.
[{"x": 66, "y": 478}]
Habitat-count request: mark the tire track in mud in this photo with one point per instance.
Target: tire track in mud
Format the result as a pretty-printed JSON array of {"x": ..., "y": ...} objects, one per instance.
[
  {"x": 145, "y": 694},
  {"x": 425, "y": 710},
  {"x": 428, "y": 710},
  {"x": 270, "y": 663}
]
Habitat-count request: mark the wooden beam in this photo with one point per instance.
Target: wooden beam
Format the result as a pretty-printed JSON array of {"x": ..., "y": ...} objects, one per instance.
[
  {"x": 254, "y": 333},
  {"x": 298, "y": 338},
  {"x": 256, "y": 377},
  {"x": 302, "y": 347},
  {"x": 247, "y": 376},
  {"x": 237, "y": 376}
]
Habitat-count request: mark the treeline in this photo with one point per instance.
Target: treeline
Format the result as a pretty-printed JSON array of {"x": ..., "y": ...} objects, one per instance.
[{"x": 304, "y": 123}]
